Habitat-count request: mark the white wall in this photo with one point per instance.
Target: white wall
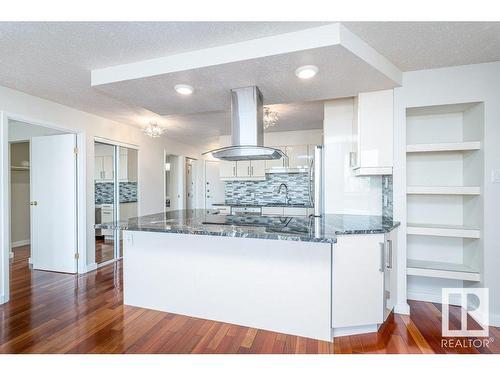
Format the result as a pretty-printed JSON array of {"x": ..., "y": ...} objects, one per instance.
[
  {"x": 344, "y": 192},
  {"x": 151, "y": 150},
  {"x": 462, "y": 84},
  {"x": 296, "y": 137}
]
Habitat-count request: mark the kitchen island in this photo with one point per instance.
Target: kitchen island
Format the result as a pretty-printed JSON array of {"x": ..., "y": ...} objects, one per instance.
[{"x": 272, "y": 273}]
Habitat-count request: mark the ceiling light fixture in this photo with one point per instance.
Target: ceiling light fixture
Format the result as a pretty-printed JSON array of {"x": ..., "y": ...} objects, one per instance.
[
  {"x": 306, "y": 71},
  {"x": 154, "y": 130},
  {"x": 184, "y": 89},
  {"x": 270, "y": 118}
]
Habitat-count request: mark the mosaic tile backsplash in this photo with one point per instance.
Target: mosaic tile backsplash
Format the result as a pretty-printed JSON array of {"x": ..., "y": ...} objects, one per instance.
[
  {"x": 266, "y": 192},
  {"x": 104, "y": 192},
  {"x": 387, "y": 193}
]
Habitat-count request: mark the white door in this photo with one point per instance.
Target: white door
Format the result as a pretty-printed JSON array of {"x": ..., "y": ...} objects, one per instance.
[
  {"x": 189, "y": 185},
  {"x": 53, "y": 203},
  {"x": 214, "y": 186}
]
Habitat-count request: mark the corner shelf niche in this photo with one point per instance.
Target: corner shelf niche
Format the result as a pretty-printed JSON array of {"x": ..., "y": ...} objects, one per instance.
[{"x": 444, "y": 173}]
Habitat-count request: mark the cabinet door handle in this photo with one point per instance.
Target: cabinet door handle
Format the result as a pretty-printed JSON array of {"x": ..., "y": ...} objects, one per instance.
[
  {"x": 389, "y": 255},
  {"x": 382, "y": 256},
  {"x": 251, "y": 169},
  {"x": 234, "y": 171},
  {"x": 248, "y": 170}
]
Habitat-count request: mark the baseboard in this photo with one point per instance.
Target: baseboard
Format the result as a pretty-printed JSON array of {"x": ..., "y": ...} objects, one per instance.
[
  {"x": 431, "y": 297},
  {"x": 91, "y": 267},
  {"x": 495, "y": 320},
  {"x": 20, "y": 243},
  {"x": 348, "y": 331},
  {"x": 30, "y": 261},
  {"x": 402, "y": 308},
  {"x": 11, "y": 255}
]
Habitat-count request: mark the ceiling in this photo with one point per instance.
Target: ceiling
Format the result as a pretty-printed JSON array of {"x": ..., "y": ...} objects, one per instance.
[{"x": 54, "y": 60}]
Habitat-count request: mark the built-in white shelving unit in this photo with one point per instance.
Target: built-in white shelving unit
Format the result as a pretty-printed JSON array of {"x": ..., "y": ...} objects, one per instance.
[
  {"x": 444, "y": 147},
  {"x": 444, "y": 173},
  {"x": 442, "y": 270},
  {"x": 444, "y": 190},
  {"x": 459, "y": 231}
]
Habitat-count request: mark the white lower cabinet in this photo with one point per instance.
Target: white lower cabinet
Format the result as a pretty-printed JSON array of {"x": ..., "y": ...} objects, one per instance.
[
  {"x": 358, "y": 280},
  {"x": 390, "y": 274},
  {"x": 364, "y": 280}
]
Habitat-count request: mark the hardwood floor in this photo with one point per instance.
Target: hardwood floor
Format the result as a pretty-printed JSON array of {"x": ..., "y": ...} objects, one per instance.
[
  {"x": 60, "y": 313},
  {"x": 104, "y": 250}
]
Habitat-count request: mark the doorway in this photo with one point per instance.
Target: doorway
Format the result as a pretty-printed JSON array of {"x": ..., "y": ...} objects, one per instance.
[
  {"x": 43, "y": 196},
  {"x": 190, "y": 185},
  {"x": 214, "y": 186},
  {"x": 116, "y": 195}
]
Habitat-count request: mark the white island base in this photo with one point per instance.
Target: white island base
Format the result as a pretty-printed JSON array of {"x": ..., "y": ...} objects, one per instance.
[{"x": 277, "y": 285}]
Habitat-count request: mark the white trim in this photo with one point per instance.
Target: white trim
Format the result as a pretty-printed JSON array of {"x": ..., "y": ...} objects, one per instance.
[
  {"x": 402, "y": 308},
  {"x": 348, "y": 331},
  {"x": 91, "y": 267},
  {"x": 30, "y": 261},
  {"x": 2, "y": 299},
  {"x": 108, "y": 262},
  {"x": 115, "y": 143},
  {"x": 15, "y": 244},
  {"x": 495, "y": 320},
  {"x": 5, "y": 193},
  {"x": 431, "y": 297},
  {"x": 11, "y": 255}
]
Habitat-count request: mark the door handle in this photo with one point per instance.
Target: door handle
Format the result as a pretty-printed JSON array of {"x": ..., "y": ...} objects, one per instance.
[
  {"x": 389, "y": 255},
  {"x": 382, "y": 256},
  {"x": 34, "y": 203}
]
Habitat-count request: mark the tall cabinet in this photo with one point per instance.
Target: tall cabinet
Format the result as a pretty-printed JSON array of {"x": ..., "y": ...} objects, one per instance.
[{"x": 445, "y": 209}]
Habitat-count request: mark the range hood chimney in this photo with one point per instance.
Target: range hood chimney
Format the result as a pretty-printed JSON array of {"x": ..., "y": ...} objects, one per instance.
[{"x": 247, "y": 129}]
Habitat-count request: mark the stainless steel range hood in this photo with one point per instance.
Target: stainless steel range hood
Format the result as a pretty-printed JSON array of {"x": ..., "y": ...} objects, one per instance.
[{"x": 247, "y": 129}]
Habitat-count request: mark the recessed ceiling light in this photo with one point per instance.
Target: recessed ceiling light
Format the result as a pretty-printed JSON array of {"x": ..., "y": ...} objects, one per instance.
[
  {"x": 184, "y": 89},
  {"x": 306, "y": 71}
]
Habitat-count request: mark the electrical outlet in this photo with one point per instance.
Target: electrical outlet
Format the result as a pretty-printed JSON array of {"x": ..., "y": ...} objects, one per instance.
[{"x": 495, "y": 176}]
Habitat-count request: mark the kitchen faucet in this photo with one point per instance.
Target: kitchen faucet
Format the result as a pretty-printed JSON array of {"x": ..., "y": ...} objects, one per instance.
[{"x": 287, "y": 200}]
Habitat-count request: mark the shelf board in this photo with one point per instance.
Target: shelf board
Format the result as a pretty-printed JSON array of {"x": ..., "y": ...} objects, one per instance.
[
  {"x": 442, "y": 230},
  {"x": 19, "y": 168},
  {"x": 442, "y": 270},
  {"x": 444, "y": 147},
  {"x": 444, "y": 190}
]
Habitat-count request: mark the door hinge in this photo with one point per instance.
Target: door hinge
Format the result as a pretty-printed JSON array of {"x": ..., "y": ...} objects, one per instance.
[
  {"x": 75, "y": 150},
  {"x": 77, "y": 256}
]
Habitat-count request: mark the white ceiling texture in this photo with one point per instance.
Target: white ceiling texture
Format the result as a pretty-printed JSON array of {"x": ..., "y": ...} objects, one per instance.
[{"x": 134, "y": 66}]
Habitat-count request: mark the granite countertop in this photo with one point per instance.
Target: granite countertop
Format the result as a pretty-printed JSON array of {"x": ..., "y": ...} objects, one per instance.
[
  {"x": 299, "y": 205},
  {"x": 208, "y": 222}
]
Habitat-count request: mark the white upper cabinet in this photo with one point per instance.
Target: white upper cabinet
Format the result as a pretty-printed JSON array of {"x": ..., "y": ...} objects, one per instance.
[
  {"x": 278, "y": 163},
  {"x": 373, "y": 126},
  {"x": 227, "y": 169},
  {"x": 298, "y": 156},
  {"x": 243, "y": 170},
  {"x": 258, "y": 168}
]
